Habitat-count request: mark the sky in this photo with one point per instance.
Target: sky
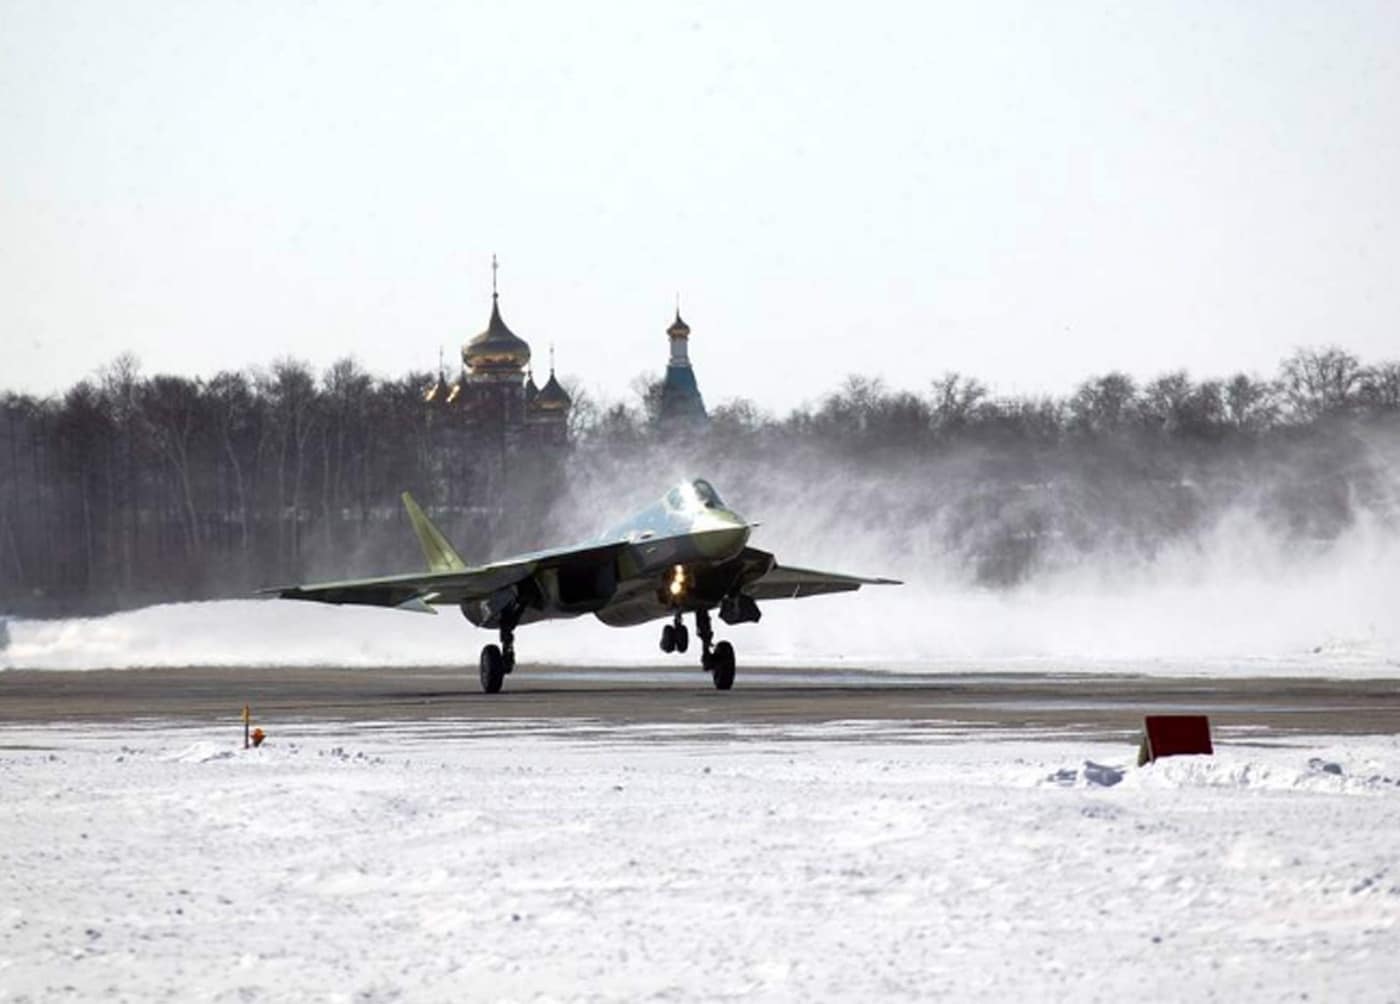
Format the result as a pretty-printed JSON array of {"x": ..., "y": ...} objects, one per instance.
[{"x": 1028, "y": 193}]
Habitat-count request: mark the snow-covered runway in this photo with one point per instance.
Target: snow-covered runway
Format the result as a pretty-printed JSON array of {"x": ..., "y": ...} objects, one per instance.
[{"x": 452, "y": 860}]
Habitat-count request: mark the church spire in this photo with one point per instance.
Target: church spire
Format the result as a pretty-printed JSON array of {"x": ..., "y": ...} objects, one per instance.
[
  {"x": 681, "y": 402},
  {"x": 679, "y": 333}
]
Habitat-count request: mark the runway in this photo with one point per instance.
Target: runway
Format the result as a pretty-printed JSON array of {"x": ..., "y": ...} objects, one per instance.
[{"x": 1106, "y": 706}]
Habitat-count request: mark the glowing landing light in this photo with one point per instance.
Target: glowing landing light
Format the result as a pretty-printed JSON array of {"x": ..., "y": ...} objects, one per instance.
[{"x": 677, "y": 580}]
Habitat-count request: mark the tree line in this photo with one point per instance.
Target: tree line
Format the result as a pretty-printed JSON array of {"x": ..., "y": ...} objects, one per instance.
[{"x": 130, "y": 489}]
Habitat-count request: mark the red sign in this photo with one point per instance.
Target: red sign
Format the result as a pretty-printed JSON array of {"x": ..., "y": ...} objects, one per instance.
[{"x": 1174, "y": 735}]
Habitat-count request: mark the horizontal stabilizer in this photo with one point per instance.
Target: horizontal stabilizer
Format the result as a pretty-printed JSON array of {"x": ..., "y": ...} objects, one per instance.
[
  {"x": 418, "y": 604},
  {"x": 783, "y": 583}
]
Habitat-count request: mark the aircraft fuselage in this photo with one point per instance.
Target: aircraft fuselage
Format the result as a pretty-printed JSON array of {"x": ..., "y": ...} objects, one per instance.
[{"x": 677, "y": 555}]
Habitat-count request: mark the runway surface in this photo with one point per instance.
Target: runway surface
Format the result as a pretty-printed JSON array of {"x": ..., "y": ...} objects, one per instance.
[{"x": 1090, "y": 704}]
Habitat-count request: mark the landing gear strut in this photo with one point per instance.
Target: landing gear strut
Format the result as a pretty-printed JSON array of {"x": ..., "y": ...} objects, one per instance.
[
  {"x": 498, "y": 660},
  {"x": 718, "y": 660}
]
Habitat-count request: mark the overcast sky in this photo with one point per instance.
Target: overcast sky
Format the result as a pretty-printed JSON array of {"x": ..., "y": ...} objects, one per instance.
[{"x": 1028, "y": 193}]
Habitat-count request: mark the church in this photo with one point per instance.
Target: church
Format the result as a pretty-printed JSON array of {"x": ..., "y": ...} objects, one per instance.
[
  {"x": 681, "y": 406},
  {"x": 496, "y": 401},
  {"x": 496, "y": 394}
]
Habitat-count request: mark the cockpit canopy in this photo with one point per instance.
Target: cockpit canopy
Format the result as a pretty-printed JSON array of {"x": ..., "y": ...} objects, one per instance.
[
  {"x": 698, "y": 493},
  {"x": 706, "y": 493}
]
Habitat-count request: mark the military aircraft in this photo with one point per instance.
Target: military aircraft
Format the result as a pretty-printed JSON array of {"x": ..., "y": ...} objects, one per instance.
[{"x": 687, "y": 553}]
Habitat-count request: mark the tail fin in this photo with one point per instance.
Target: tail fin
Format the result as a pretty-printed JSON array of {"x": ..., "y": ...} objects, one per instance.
[{"x": 440, "y": 554}]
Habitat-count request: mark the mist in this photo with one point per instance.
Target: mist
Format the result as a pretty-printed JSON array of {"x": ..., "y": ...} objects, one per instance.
[
  {"x": 1196, "y": 525},
  {"x": 1069, "y": 553}
]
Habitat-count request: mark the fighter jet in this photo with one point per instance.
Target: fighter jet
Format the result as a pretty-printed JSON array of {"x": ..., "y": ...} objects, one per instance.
[{"x": 686, "y": 554}]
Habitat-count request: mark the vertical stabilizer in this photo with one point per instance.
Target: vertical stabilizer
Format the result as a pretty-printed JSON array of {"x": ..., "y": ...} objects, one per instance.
[{"x": 440, "y": 554}]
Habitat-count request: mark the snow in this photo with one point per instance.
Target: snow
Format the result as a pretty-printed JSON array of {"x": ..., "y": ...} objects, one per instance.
[
  {"x": 556, "y": 861},
  {"x": 1241, "y": 597}
]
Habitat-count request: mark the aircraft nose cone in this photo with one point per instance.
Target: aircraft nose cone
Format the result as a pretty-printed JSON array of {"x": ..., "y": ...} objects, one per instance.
[{"x": 722, "y": 542}]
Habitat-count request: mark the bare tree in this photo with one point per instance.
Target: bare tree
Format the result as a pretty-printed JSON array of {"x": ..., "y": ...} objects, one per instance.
[
  {"x": 1380, "y": 387},
  {"x": 1250, "y": 404},
  {"x": 1104, "y": 404},
  {"x": 345, "y": 396},
  {"x": 291, "y": 393},
  {"x": 1319, "y": 382},
  {"x": 173, "y": 410},
  {"x": 955, "y": 400},
  {"x": 1173, "y": 405},
  {"x": 234, "y": 413},
  {"x": 647, "y": 387}
]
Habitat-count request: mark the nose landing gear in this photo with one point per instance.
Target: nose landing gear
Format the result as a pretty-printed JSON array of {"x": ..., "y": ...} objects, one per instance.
[
  {"x": 493, "y": 669},
  {"x": 722, "y": 666},
  {"x": 718, "y": 660}
]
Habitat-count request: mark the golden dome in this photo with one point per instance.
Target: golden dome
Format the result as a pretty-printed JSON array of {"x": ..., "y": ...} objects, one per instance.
[
  {"x": 437, "y": 392},
  {"x": 496, "y": 348}
]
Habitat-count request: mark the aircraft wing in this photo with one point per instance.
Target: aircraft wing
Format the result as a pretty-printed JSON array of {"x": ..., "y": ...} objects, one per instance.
[
  {"x": 781, "y": 582},
  {"x": 416, "y": 590}
]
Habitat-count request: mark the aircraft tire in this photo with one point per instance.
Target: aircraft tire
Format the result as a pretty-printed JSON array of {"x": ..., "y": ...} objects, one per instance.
[
  {"x": 722, "y": 666},
  {"x": 668, "y": 639},
  {"x": 682, "y": 638},
  {"x": 493, "y": 669}
]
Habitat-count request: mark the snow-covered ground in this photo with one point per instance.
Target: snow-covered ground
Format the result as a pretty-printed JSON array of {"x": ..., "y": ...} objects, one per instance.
[{"x": 453, "y": 861}]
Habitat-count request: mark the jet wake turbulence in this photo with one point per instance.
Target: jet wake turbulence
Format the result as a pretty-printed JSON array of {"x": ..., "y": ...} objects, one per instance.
[{"x": 687, "y": 553}]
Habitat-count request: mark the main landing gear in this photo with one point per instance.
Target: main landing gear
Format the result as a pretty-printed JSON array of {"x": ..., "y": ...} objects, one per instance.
[
  {"x": 498, "y": 660},
  {"x": 717, "y": 660},
  {"x": 675, "y": 637}
]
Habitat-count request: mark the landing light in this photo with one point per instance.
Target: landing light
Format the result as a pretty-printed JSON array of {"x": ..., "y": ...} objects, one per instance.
[{"x": 677, "y": 580}]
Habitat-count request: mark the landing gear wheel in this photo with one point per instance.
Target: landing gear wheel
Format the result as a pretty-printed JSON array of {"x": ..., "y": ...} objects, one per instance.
[
  {"x": 722, "y": 665},
  {"x": 668, "y": 639},
  {"x": 682, "y": 638},
  {"x": 493, "y": 669}
]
